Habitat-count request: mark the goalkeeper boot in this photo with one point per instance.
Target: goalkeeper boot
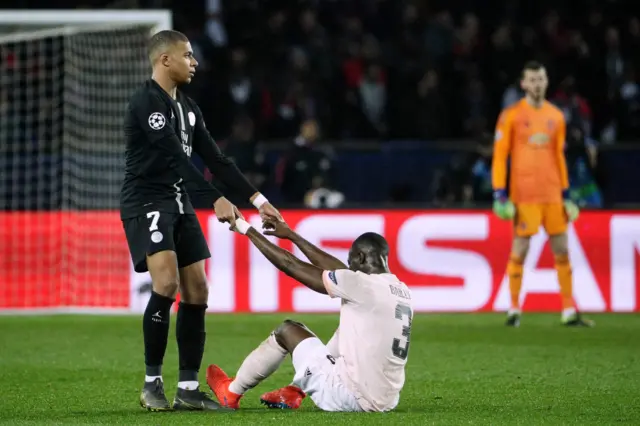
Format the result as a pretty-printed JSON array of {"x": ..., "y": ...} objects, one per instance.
[
  {"x": 287, "y": 398},
  {"x": 152, "y": 397},
  {"x": 195, "y": 400},
  {"x": 576, "y": 320},
  {"x": 219, "y": 383},
  {"x": 513, "y": 319}
]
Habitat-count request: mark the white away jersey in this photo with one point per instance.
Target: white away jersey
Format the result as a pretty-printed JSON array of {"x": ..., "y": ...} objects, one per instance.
[{"x": 374, "y": 333}]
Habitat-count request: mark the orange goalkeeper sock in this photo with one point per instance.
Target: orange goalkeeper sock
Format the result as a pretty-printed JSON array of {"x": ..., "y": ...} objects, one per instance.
[
  {"x": 565, "y": 279},
  {"x": 514, "y": 271}
]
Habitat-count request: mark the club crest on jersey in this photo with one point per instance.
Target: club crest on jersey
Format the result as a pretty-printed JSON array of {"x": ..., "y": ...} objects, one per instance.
[
  {"x": 192, "y": 118},
  {"x": 156, "y": 121},
  {"x": 539, "y": 139},
  {"x": 332, "y": 277}
]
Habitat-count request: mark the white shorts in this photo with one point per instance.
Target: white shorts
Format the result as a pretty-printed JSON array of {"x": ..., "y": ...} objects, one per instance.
[{"x": 317, "y": 375}]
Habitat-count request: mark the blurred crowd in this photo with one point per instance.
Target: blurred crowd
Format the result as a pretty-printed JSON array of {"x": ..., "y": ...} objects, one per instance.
[
  {"x": 424, "y": 70},
  {"x": 412, "y": 69}
]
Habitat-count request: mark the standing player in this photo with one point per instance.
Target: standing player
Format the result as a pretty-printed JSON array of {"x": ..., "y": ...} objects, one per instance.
[
  {"x": 362, "y": 366},
  {"x": 162, "y": 127},
  {"x": 531, "y": 134}
]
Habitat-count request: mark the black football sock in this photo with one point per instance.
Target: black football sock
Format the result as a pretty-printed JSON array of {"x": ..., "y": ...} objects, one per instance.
[
  {"x": 155, "y": 327},
  {"x": 191, "y": 337}
]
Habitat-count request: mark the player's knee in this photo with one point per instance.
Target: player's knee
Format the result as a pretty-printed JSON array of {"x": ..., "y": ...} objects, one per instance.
[
  {"x": 520, "y": 247},
  {"x": 285, "y": 329},
  {"x": 559, "y": 245},
  {"x": 195, "y": 292},
  {"x": 291, "y": 323},
  {"x": 167, "y": 287}
]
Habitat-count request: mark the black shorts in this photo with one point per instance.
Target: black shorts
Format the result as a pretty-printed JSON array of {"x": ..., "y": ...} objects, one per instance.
[{"x": 159, "y": 231}]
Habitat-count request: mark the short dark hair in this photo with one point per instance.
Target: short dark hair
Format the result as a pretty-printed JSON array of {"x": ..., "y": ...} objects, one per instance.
[
  {"x": 370, "y": 242},
  {"x": 163, "y": 39},
  {"x": 532, "y": 66}
]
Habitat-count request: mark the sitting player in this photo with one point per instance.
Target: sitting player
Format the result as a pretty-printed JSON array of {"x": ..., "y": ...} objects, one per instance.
[{"x": 362, "y": 366}]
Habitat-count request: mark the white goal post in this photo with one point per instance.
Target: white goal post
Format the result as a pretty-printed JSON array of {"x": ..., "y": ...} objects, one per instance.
[
  {"x": 43, "y": 23},
  {"x": 65, "y": 79}
]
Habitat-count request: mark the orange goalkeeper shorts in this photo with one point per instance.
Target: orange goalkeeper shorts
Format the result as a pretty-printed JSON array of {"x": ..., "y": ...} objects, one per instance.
[{"x": 529, "y": 217}]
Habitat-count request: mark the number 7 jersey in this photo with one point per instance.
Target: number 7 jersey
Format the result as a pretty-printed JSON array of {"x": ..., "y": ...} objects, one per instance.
[{"x": 374, "y": 335}]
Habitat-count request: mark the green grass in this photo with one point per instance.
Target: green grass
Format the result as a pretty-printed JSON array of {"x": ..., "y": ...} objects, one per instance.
[{"x": 463, "y": 369}]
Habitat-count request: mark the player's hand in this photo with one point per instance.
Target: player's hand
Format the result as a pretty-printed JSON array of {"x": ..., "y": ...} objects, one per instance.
[
  {"x": 505, "y": 210},
  {"x": 225, "y": 211},
  {"x": 277, "y": 228},
  {"x": 267, "y": 211},
  {"x": 502, "y": 206},
  {"x": 237, "y": 212},
  {"x": 572, "y": 210}
]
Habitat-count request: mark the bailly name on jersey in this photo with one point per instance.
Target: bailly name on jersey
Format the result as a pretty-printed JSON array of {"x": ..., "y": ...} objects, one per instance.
[
  {"x": 161, "y": 134},
  {"x": 399, "y": 292}
]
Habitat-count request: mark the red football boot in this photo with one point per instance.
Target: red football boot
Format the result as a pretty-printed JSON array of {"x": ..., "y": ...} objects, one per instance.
[
  {"x": 287, "y": 398},
  {"x": 219, "y": 383}
]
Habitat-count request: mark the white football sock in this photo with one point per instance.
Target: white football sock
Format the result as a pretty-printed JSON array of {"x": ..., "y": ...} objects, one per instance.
[
  {"x": 189, "y": 385},
  {"x": 568, "y": 313},
  {"x": 260, "y": 364}
]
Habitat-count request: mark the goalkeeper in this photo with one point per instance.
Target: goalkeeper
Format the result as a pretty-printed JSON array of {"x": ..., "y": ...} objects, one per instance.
[{"x": 531, "y": 133}]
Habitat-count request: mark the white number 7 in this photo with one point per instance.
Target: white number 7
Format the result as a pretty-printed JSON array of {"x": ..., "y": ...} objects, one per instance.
[{"x": 154, "y": 220}]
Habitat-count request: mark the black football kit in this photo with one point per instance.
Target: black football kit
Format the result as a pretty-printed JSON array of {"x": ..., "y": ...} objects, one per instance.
[{"x": 155, "y": 209}]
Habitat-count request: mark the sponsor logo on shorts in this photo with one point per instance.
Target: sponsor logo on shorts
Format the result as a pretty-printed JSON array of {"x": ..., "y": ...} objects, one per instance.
[{"x": 156, "y": 237}]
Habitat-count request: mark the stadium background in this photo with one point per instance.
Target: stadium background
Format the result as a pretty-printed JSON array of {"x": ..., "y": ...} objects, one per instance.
[{"x": 350, "y": 116}]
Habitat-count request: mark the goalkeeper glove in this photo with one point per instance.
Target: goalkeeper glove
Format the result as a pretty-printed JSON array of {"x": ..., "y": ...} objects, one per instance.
[
  {"x": 570, "y": 208},
  {"x": 502, "y": 206}
]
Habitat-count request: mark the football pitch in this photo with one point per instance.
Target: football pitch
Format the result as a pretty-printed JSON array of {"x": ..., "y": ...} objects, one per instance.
[{"x": 462, "y": 369}]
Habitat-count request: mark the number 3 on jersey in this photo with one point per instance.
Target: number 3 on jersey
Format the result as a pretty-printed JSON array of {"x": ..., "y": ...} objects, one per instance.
[{"x": 403, "y": 313}]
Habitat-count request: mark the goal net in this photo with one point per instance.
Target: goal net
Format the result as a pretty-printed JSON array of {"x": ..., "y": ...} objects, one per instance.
[{"x": 65, "y": 79}]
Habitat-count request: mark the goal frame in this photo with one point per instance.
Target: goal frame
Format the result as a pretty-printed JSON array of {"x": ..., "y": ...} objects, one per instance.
[
  {"x": 51, "y": 23},
  {"x": 67, "y": 22}
]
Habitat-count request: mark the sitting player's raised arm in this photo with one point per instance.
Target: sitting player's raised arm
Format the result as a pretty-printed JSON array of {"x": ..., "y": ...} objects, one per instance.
[
  {"x": 218, "y": 163},
  {"x": 501, "y": 151},
  {"x": 151, "y": 113},
  {"x": 307, "y": 274},
  {"x": 318, "y": 257}
]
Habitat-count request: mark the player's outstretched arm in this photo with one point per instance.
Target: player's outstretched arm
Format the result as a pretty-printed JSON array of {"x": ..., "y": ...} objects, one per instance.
[
  {"x": 307, "y": 274},
  {"x": 318, "y": 257}
]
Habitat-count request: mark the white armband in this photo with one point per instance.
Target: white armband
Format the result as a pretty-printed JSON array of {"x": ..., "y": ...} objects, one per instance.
[
  {"x": 259, "y": 201},
  {"x": 242, "y": 226}
]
